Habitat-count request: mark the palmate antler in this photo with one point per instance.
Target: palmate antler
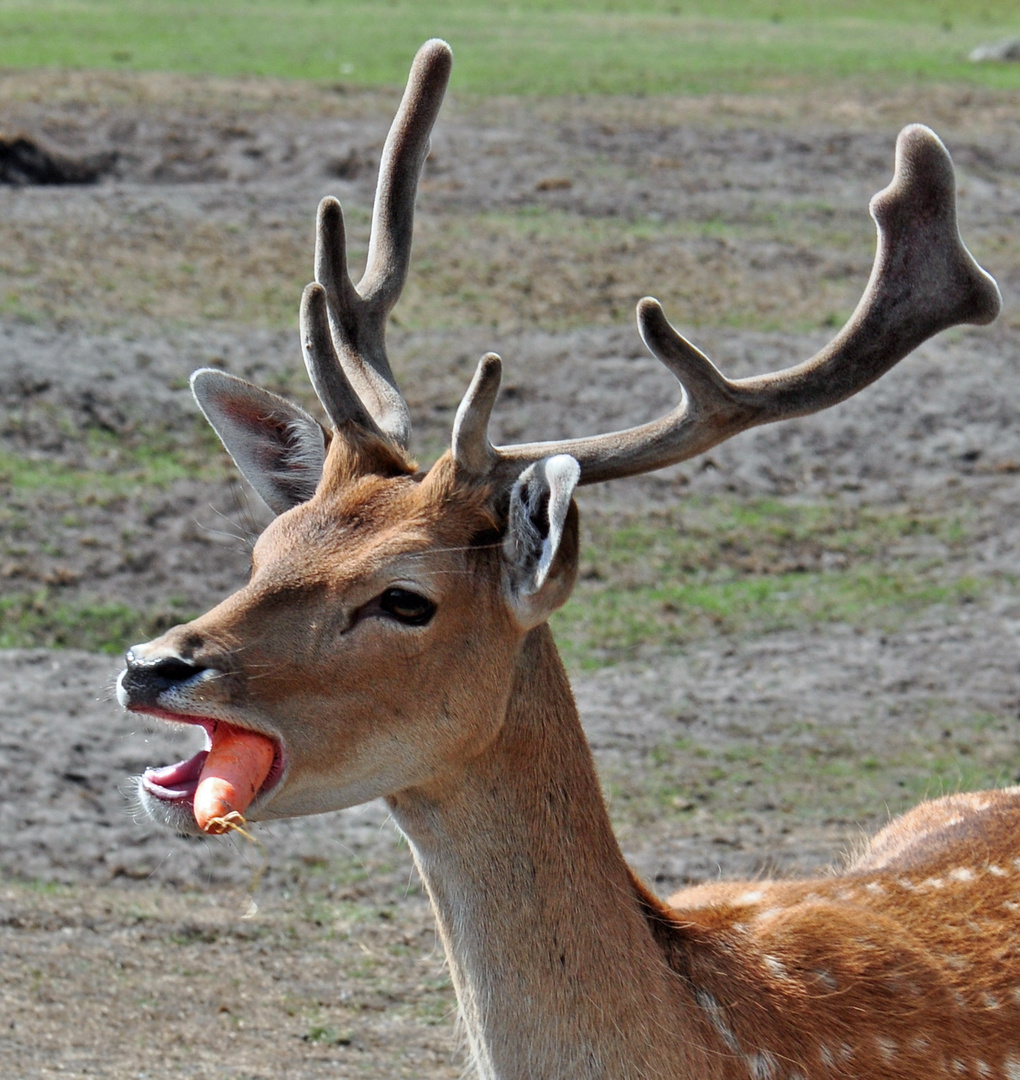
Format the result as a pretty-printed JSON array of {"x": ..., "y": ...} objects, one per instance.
[{"x": 924, "y": 280}]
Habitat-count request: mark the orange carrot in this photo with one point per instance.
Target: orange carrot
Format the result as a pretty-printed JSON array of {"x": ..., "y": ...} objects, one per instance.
[{"x": 237, "y": 766}]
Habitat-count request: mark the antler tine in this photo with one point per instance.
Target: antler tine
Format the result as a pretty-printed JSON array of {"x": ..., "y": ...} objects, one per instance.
[
  {"x": 357, "y": 315},
  {"x": 471, "y": 447},
  {"x": 923, "y": 280},
  {"x": 329, "y": 380},
  {"x": 404, "y": 154}
]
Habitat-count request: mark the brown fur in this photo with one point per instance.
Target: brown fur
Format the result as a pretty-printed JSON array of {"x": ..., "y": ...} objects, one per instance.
[{"x": 906, "y": 965}]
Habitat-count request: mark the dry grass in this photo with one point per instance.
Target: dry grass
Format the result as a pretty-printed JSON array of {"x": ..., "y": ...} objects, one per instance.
[
  {"x": 181, "y": 985},
  {"x": 502, "y": 271}
]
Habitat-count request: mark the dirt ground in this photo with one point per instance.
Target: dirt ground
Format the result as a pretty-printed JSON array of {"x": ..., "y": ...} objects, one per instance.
[{"x": 128, "y": 953}]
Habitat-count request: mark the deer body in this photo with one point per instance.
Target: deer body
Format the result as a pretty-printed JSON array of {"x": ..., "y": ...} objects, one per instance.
[
  {"x": 566, "y": 966},
  {"x": 392, "y": 641}
]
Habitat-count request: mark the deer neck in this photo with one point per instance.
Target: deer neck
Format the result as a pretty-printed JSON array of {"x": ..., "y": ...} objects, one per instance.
[{"x": 555, "y": 967}]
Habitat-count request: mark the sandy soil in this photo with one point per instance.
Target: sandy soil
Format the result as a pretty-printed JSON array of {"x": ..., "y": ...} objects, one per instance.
[{"x": 123, "y": 952}]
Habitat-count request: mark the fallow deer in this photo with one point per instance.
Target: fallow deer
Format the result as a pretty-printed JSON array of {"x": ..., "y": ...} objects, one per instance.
[{"x": 392, "y": 641}]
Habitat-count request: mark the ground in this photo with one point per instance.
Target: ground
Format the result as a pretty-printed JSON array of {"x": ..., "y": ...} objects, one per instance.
[{"x": 774, "y": 648}]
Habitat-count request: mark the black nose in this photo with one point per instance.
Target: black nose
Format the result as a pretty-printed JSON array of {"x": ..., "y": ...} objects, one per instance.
[{"x": 144, "y": 680}]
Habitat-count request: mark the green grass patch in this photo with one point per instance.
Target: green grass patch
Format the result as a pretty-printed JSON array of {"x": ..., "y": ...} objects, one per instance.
[
  {"x": 614, "y": 624},
  {"x": 24, "y": 473},
  {"x": 127, "y": 466},
  {"x": 41, "y": 620},
  {"x": 721, "y": 566},
  {"x": 524, "y": 47},
  {"x": 813, "y": 770}
]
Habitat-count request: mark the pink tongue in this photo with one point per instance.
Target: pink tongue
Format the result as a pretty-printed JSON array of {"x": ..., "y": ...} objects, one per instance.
[{"x": 237, "y": 766}]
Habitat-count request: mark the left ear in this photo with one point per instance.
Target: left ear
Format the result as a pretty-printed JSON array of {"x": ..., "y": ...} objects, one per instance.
[
  {"x": 541, "y": 539},
  {"x": 278, "y": 447}
]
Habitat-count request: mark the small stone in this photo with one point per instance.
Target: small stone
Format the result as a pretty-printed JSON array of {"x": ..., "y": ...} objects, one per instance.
[{"x": 1006, "y": 51}]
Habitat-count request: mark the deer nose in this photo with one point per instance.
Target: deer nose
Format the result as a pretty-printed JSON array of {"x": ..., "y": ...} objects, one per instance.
[{"x": 144, "y": 678}]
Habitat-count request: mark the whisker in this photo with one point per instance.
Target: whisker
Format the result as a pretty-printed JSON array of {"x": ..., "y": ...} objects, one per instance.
[{"x": 209, "y": 531}]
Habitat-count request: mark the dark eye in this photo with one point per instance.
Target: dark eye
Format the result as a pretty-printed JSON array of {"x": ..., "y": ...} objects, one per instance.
[{"x": 407, "y": 606}]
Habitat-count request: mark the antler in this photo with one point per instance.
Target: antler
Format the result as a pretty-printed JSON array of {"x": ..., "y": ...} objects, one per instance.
[
  {"x": 343, "y": 326},
  {"x": 923, "y": 280}
]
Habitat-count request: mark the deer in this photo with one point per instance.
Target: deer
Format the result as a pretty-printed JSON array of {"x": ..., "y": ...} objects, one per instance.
[{"x": 393, "y": 641}]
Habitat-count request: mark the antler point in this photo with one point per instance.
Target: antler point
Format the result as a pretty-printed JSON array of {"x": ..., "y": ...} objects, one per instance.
[
  {"x": 436, "y": 53},
  {"x": 437, "y": 45},
  {"x": 648, "y": 307},
  {"x": 652, "y": 321}
]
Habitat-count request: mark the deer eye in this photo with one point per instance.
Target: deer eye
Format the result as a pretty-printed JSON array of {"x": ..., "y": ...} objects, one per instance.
[{"x": 407, "y": 606}]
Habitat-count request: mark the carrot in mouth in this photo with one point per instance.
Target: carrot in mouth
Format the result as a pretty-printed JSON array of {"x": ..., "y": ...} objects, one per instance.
[{"x": 237, "y": 766}]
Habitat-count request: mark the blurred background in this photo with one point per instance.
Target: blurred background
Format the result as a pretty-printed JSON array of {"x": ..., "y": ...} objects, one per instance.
[{"x": 774, "y": 647}]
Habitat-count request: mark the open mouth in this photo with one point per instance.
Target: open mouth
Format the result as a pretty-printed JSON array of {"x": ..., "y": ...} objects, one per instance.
[
  {"x": 175, "y": 783},
  {"x": 234, "y": 768}
]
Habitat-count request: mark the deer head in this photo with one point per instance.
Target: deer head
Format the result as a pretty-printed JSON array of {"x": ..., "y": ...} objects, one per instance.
[{"x": 376, "y": 643}]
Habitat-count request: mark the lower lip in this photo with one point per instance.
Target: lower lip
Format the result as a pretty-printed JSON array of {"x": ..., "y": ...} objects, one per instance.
[{"x": 175, "y": 783}]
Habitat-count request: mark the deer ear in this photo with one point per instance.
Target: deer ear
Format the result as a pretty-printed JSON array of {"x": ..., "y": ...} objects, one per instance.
[
  {"x": 541, "y": 540},
  {"x": 278, "y": 447}
]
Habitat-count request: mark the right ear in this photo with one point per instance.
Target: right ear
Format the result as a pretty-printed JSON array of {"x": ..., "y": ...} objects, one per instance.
[
  {"x": 278, "y": 447},
  {"x": 540, "y": 547}
]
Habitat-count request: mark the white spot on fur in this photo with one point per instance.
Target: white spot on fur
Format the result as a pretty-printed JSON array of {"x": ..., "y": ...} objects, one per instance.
[
  {"x": 997, "y": 871},
  {"x": 830, "y": 1062},
  {"x": 761, "y": 1066},
  {"x": 826, "y": 978},
  {"x": 713, "y": 1010},
  {"x": 1016, "y": 864},
  {"x": 933, "y": 883},
  {"x": 888, "y": 1048},
  {"x": 958, "y": 1065},
  {"x": 920, "y": 1044},
  {"x": 983, "y": 1068},
  {"x": 752, "y": 897},
  {"x": 874, "y": 888},
  {"x": 1012, "y": 1067},
  {"x": 991, "y": 1001},
  {"x": 962, "y": 873},
  {"x": 1011, "y": 905},
  {"x": 776, "y": 967},
  {"x": 768, "y": 913},
  {"x": 905, "y": 883}
]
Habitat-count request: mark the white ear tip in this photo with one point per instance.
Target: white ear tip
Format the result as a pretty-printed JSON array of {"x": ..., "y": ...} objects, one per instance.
[
  {"x": 199, "y": 379},
  {"x": 207, "y": 381},
  {"x": 204, "y": 374},
  {"x": 563, "y": 469}
]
